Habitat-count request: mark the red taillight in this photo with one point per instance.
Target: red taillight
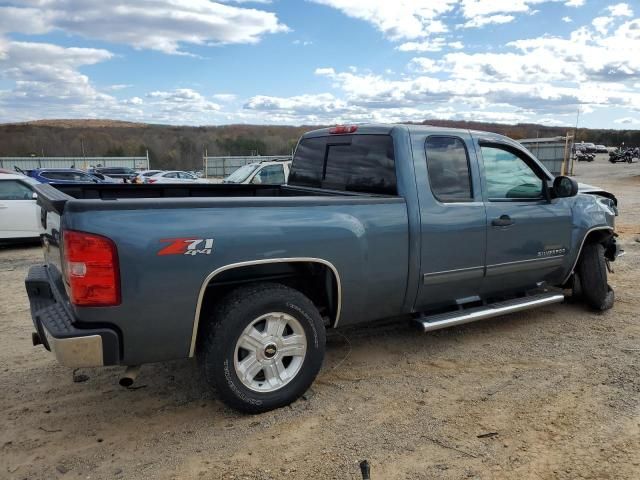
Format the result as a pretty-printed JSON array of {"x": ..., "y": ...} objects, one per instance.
[
  {"x": 342, "y": 129},
  {"x": 152, "y": 180},
  {"x": 91, "y": 269}
]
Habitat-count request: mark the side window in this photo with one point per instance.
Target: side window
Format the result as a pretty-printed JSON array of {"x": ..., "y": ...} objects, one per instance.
[
  {"x": 273, "y": 174},
  {"x": 448, "y": 167},
  {"x": 508, "y": 176},
  {"x": 81, "y": 177},
  {"x": 308, "y": 163},
  {"x": 170, "y": 175},
  {"x": 14, "y": 190}
]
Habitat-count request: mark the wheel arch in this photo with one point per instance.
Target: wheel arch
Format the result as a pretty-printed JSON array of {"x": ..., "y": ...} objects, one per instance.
[
  {"x": 254, "y": 270},
  {"x": 593, "y": 235}
]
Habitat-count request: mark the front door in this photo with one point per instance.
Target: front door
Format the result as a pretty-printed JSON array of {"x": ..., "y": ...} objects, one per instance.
[
  {"x": 453, "y": 221},
  {"x": 528, "y": 235}
]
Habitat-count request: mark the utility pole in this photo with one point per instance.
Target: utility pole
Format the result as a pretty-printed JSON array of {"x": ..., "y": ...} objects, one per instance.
[
  {"x": 575, "y": 138},
  {"x": 83, "y": 155}
]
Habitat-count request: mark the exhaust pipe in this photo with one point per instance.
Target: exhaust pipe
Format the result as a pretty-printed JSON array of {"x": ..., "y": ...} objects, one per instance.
[{"x": 129, "y": 376}]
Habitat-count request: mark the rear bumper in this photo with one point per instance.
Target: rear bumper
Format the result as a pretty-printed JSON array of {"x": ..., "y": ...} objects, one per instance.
[{"x": 72, "y": 344}]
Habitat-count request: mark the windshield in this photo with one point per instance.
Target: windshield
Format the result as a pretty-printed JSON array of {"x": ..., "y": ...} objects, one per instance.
[{"x": 241, "y": 174}]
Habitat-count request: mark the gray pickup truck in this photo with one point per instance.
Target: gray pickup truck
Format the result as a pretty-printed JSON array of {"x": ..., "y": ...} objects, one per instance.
[{"x": 440, "y": 226}]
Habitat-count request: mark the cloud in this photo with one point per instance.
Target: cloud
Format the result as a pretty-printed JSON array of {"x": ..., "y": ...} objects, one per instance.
[
  {"x": 163, "y": 25},
  {"x": 567, "y": 19},
  {"x": 399, "y": 19},
  {"x": 627, "y": 121},
  {"x": 480, "y": 21},
  {"x": 620, "y": 10},
  {"x": 431, "y": 45},
  {"x": 575, "y": 3}
]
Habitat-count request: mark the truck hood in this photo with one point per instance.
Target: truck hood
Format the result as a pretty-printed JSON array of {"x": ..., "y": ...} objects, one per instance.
[{"x": 590, "y": 189}]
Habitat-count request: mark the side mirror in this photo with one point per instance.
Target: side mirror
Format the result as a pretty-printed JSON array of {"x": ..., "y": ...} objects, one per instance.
[
  {"x": 564, "y": 187},
  {"x": 34, "y": 196}
]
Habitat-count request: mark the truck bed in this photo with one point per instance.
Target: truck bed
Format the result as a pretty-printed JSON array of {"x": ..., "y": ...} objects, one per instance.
[{"x": 54, "y": 196}]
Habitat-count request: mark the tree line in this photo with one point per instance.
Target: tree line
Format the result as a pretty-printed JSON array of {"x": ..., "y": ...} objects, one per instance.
[{"x": 182, "y": 147}]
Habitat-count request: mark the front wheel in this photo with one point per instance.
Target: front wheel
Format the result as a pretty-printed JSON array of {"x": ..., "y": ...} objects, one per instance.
[
  {"x": 592, "y": 272},
  {"x": 263, "y": 347}
]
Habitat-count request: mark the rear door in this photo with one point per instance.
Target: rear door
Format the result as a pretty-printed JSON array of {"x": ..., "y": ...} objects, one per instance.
[
  {"x": 528, "y": 235},
  {"x": 453, "y": 220},
  {"x": 270, "y": 175}
]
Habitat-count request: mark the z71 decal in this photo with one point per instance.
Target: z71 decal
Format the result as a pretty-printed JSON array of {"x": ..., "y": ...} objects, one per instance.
[{"x": 187, "y": 246}]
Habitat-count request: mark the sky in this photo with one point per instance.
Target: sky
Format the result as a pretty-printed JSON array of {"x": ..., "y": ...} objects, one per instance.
[{"x": 202, "y": 62}]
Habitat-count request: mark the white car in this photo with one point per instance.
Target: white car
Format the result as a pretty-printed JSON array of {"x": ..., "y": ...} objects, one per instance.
[
  {"x": 19, "y": 214},
  {"x": 173, "y": 176},
  {"x": 262, "y": 173},
  {"x": 144, "y": 175}
]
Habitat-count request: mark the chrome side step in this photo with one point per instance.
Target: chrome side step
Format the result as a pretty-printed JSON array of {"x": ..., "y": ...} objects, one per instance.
[{"x": 459, "y": 317}]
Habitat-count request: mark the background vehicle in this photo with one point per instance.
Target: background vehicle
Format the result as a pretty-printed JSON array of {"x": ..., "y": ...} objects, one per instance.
[
  {"x": 62, "y": 176},
  {"x": 172, "y": 176},
  {"x": 144, "y": 175},
  {"x": 621, "y": 155},
  {"x": 442, "y": 226},
  {"x": 19, "y": 213},
  {"x": 123, "y": 174},
  {"x": 601, "y": 149},
  {"x": 582, "y": 156},
  {"x": 586, "y": 147},
  {"x": 104, "y": 178},
  {"x": 274, "y": 173}
]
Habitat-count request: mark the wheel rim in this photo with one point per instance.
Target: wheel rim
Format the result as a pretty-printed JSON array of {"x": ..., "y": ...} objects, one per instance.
[{"x": 270, "y": 352}]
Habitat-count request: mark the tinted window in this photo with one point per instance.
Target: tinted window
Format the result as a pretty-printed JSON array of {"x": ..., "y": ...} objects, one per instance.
[
  {"x": 448, "y": 166},
  {"x": 308, "y": 163},
  {"x": 356, "y": 163},
  {"x": 170, "y": 175},
  {"x": 273, "y": 174},
  {"x": 70, "y": 176},
  {"x": 14, "y": 190},
  {"x": 508, "y": 176}
]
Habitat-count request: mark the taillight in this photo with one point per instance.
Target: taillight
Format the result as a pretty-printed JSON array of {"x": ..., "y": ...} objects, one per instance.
[
  {"x": 342, "y": 129},
  {"x": 152, "y": 180},
  {"x": 91, "y": 269}
]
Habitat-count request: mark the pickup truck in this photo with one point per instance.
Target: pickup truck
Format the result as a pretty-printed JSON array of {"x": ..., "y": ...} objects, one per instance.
[{"x": 438, "y": 226}]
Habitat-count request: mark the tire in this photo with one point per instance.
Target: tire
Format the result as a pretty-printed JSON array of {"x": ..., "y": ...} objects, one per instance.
[
  {"x": 592, "y": 271},
  {"x": 245, "y": 364}
]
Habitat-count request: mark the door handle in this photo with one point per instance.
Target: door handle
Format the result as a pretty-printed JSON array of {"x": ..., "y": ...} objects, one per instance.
[
  {"x": 503, "y": 221},
  {"x": 2, "y": 205}
]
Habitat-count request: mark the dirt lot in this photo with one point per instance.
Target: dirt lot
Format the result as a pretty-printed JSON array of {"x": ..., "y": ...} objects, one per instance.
[{"x": 556, "y": 391}]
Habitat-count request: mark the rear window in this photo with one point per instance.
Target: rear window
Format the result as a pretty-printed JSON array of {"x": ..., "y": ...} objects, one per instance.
[
  {"x": 448, "y": 166},
  {"x": 355, "y": 163}
]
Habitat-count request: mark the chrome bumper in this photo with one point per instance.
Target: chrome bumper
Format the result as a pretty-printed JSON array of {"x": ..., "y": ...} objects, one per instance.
[{"x": 76, "y": 351}]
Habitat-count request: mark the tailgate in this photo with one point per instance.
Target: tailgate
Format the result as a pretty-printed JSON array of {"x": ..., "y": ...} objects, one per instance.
[{"x": 52, "y": 202}]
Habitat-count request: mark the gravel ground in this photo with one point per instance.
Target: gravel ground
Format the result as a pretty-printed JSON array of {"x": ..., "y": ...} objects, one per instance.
[{"x": 549, "y": 393}]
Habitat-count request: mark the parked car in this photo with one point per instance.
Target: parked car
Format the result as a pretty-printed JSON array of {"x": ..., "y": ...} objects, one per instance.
[
  {"x": 62, "y": 175},
  {"x": 601, "y": 149},
  {"x": 440, "y": 226},
  {"x": 173, "y": 176},
  {"x": 104, "y": 178},
  {"x": 274, "y": 173},
  {"x": 122, "y": 174},
  {"x": 586, "y": 147},
  {"x": 144, "y": 175},
  {"x": 19, "y": 213}
]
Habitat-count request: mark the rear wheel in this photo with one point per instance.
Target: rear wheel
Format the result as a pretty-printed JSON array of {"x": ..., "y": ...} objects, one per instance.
[
  {"x": 592, "y": 273},
  {"x": 263, "y": 347}
]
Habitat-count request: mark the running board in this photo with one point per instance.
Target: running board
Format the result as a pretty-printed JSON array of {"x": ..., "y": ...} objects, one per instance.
[{"x": 459, "y": 317}]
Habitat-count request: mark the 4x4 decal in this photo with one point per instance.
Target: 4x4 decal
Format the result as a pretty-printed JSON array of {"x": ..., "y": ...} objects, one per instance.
[{"x": 187, "y": 246}]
